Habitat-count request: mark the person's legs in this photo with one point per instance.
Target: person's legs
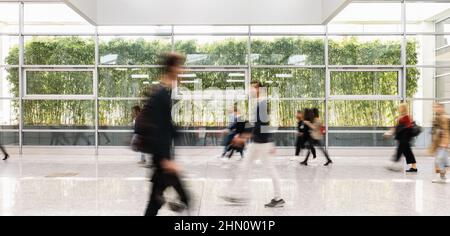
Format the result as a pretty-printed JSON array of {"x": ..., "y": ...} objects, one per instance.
[
  {"x": 3, "y": 150},
  {"x": 226, "y": 142},
  {"x": 267, "y": 161},
  {"x": 410, "y": 158},
  {"x": 157, "y": 195},
  {"x": 442, "y": 162},
  {"x": 238, "y": 184},
  {"x": 5, "y": 154},
  {"x": 298, "y": 147},
  {"x": 311, "y": 149},
  {"x": 177, "y": 184},
  {"x": 325, "y": 152},
  {"x": 400, "y": 150}
]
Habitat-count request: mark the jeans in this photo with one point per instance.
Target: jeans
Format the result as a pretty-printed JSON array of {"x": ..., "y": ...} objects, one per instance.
[{"x": 442, "y": 159}]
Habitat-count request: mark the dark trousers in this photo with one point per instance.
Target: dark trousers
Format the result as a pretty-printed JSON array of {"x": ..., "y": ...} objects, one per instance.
[
  {"x": 161, "y": 181},
  {"x": 302, "y": 143},
  {"x": 227, "y": 141},
  {"x": 321, "y": 147},
  {"x": 233, "y": 149},
  {"x": 3, "y": 150},
  {"x": 404, "y": 148}
]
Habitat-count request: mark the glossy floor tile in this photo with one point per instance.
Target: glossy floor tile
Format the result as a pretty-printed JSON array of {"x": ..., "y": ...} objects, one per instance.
[{"x": 117, "y": 185}]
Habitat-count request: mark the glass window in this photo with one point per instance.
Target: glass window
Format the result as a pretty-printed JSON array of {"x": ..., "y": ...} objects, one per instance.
[
  {"x": 443, "y": 26},
  {"x": 135, "y": 30},
  {"x": 382, "y": 17},
  {"x": 212, "y": 84},
  {"x": 72, "y": 50},
  {"x": 213, "y": 50},
  {"x": 109, "y": 139},
  {"x": 205, "y": 97},
  {"x": 359, "y": 139},
  {"x": 420, "y": 82},
  {"x": 58, "y": 114},
  {"x": 360, "y": 115},
  {"x": 9, "y": 50},
  {"x": 9, "y": 18},
  {"x": 117, "y": 114},
  {"x": 423, "y": 16},
  {"x": 9, "y": 82},
  {"x": 59, "y": 82},
  {"x": 9, "y": 114},
  {"x": 292, "y": 83},
  {"x": 127, "y": 82},
  {"x": 428, "y": 83},
  {"x": 354, "y": 83},
  {"x": 443, "y": 85},
  {"x": 283, "y": 112},
  {"x": 61, "y": 20},
  {"x": 365, "y": 50},
  {"x": 428, "y": 50},
  {"x": 203, "y": 138},
  {"x": 60, "y": 138},
  {"x": 132, "y": 50},
  {"x": 9, "y": 138},
  {"x": 268, "y": 50}
]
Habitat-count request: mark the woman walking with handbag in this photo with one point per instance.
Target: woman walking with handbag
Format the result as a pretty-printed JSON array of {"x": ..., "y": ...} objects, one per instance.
[{"x": 312, "y": 120}]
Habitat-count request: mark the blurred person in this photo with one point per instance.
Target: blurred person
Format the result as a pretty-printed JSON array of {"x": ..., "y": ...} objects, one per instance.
[
  {"x": 313, "y": 121},
  {"x": 403, "y": 134},
  {"x": 304, "y": 139},
  {"x": 157, "y": 130},
  {"x": 135, "y": 112},
  {"x": 440, "y": 141},
  {"x": 230, "y": 132},
  {"x": 5, "y": 153},
  {"x": 262, "y": 148}
]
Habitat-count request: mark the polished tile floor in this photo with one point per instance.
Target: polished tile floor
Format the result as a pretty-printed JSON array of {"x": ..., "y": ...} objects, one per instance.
[{"x": 116, "y": 185}]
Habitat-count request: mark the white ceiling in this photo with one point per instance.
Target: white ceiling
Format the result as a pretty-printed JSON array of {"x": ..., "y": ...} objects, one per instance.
[{"x": 201, "y": 12}]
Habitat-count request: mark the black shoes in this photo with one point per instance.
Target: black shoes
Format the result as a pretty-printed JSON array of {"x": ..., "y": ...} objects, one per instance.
[
  {"x": 6, "y": 157},
  {"x": 275, "y": 203},
  {"x": 328, "y": 163},
  {"x": 412, "y": 170},
  {"x": 304, "y": 163},
  {"x": 177, "y": 206}
]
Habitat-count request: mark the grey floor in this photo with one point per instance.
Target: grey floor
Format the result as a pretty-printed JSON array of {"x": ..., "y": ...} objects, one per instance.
[{"x": 115, "y": 185}]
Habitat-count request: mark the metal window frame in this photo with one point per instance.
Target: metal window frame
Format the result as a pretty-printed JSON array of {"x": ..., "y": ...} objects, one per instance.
[{"x": 248, "y": 66}]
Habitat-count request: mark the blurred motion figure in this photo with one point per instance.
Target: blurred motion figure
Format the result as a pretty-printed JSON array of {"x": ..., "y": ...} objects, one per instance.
[
  {"x": 440, "y": 141},
  {"x": 156, "y": 132}
]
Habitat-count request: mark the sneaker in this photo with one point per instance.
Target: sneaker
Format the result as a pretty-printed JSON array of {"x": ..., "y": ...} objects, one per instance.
[
  {"x": 177, "y": 206},
  {"x": 412, "y": 170},
  {"x": 275, "y": 203},
  {"x": 439, "y": 181}
]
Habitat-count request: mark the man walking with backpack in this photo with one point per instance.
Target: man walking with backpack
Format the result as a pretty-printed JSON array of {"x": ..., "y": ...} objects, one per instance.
[{"x": 156, "y": 129}]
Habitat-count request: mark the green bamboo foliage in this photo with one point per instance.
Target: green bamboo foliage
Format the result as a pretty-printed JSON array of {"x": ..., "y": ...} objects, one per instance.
[{"x": 126, "y": 82}]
